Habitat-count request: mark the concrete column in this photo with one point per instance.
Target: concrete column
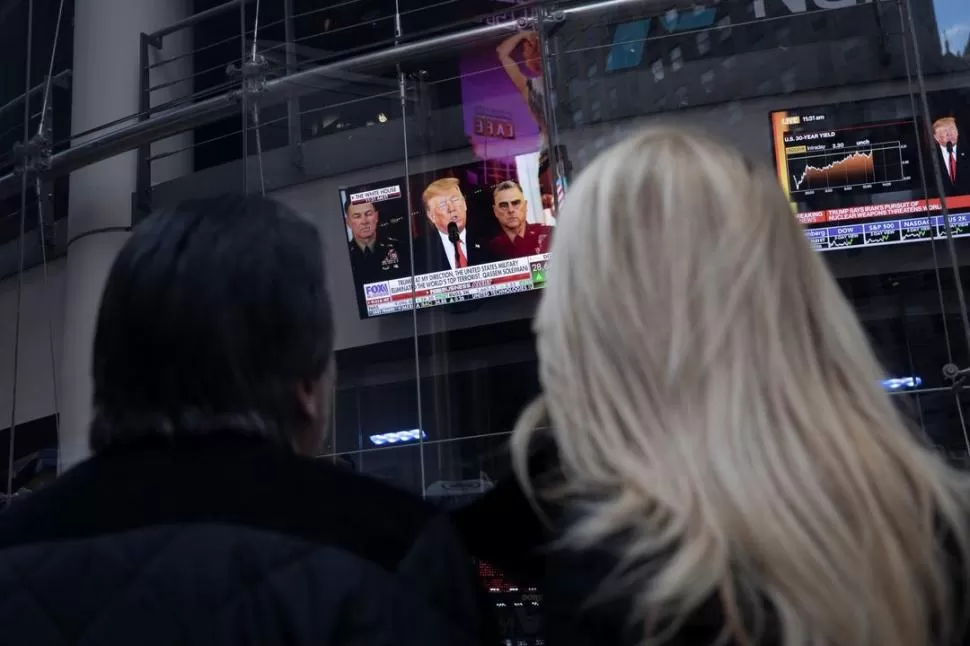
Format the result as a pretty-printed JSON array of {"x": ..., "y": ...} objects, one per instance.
[{"x": 106, "y": 87}]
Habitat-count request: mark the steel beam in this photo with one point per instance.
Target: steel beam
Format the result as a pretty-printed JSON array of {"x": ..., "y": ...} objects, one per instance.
[{"x": 292, "y": 86}]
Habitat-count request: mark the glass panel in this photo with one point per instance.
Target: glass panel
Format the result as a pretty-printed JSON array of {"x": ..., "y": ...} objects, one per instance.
[
  {"x": 35, "y": 100},
  {"x": 826, "y": 93},
  {"x": 483, "y": 197},
  {"x": 939, "y": 31},
  {"x": 938, "y": 415},
  {"x": 473, "y": 327},
  {"x": 366, "y": 239}
]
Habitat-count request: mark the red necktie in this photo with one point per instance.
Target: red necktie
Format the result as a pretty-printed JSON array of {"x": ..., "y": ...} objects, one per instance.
[
  {"x": 953, "y": 167},
  {"x": 462, "y": 260}
]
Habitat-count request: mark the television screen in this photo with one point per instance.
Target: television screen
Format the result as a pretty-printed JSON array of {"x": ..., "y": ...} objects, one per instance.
[
  {"x": 855, "y": 173},
  {"x": 475, "y": 231}
]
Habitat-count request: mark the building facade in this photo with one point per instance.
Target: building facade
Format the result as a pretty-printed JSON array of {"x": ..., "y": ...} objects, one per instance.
[{"x": 322, "y": 106}]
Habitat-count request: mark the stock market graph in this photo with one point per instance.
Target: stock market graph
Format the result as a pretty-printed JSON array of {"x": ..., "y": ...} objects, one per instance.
[
  {"x": 854, "y": 173},
  {"x": 872, "y": 158}
]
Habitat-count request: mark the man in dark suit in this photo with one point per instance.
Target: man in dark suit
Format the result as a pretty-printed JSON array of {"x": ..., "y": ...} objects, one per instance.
[
  {"x": 374, "y": 255},
  {"x": 449, "y": 244},
  {"x": 954, "y": 159}
]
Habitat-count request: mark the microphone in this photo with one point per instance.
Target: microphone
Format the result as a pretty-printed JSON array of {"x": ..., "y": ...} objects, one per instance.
[
  {"x": 453, "y": 233},
  {"x": 949, "y": 149}
]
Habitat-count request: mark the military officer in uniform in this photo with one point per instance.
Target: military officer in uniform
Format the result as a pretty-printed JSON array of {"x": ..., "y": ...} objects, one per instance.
[
  {"x": 519, "y": 237},
  {"x": 374, "y": 256}
]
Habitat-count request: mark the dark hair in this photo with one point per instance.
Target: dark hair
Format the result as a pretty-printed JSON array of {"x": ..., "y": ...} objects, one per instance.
[
  {"x": 213, "y": 314},
  {"x": 348, "y": 203}
]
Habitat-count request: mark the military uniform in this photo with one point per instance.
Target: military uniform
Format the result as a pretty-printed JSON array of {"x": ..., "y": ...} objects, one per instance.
[{"x": 386, "y": 259}]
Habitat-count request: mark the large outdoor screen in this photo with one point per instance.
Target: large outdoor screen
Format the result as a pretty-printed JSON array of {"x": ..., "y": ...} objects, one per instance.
[
  {"x": 476, "y": 230},
  {"x": 855, "y": 173}
]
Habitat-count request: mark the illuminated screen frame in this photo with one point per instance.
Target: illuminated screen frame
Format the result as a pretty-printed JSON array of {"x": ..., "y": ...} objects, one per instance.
[
  {"x": 897, "y": 221},
  {"x": 436, "y": 282}
]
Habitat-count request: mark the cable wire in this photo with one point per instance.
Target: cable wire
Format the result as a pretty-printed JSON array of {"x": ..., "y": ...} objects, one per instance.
[
  {"x": 168, "y": 105},
  {"x": 273, "y": 122},
  {"x": 259, "y": 139},
  {"x": 45, "y": 104},
  {"x": 244, "y": 99},
  {"x": 41, "y": 223},
  {"x": 46, "y": 121},
  {"x": 224, "y": 41},
  {"x": 20, "y": 252}
]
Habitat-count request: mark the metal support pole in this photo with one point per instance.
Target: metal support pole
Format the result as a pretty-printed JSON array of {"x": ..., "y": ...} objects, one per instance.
[
  {"x": 252, "y": 75},
  {"x": 45, "y": 230},
  {"x": 45, "y": 191},
  {"x": 143, "y": 176},
  {"x": 61, "y": 79},
  {"x": 402, "y": 91},
  {"x": 21, "y": 249},
  {"x": 548, "y": 92},
  {"x": 179, "y": 119},
  {"x": 293, "y": 121},
  {"x": 196, "y": 18},
  {"x": 244, "y": 99}
]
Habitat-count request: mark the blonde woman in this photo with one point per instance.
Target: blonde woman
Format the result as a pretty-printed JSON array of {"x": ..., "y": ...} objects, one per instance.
[{"x": 725, "y": 465}]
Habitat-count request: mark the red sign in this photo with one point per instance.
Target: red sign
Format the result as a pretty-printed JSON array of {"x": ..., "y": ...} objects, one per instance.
[{"x": 882, "y": 210}]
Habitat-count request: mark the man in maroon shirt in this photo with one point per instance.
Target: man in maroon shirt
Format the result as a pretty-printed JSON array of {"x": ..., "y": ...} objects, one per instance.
[{"x": 519, "y": 237}]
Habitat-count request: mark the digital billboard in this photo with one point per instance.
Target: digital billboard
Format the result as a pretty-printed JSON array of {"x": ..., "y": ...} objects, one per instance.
[
  {"x": 473, "y": 233},
  {"x": 855, "y": 173}
]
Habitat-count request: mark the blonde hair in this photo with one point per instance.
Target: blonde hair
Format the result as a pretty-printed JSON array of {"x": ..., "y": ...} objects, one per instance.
[
  {"x": 718, "y": 414},
  {"x": 439, "y": 187},
  {"x": 942, "y": 122}
]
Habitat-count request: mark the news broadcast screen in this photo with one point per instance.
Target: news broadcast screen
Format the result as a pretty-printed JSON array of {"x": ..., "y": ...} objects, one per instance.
[
  {"x": 855, "y": 172},
  {"x": 475, "y": 231}
]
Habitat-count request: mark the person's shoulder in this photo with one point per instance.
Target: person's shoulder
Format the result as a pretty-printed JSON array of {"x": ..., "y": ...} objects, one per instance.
[
  {"x": 246, "y": 485},
  {"x": 345, "y": 488},
  {"x": 416, "y": 543},
  {"x": 367, "y": 487},
  {"x": 434, "y": 601}
]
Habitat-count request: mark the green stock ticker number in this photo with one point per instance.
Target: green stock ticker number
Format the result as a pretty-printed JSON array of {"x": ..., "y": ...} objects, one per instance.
[{"x": 539, "y": 273}]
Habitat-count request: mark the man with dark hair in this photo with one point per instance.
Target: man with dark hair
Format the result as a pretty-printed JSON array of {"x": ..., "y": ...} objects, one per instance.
[
  {"x": 519, "y": 237},
  {"x": 202, "y": 517},
  {"x": 374, "y": 256}
]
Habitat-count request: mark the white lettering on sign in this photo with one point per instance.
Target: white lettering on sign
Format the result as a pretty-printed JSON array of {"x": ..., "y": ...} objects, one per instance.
[{"x": 377, "y": 195}]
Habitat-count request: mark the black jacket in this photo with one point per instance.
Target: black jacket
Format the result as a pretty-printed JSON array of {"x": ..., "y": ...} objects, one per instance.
[
  {"x": 430, "y": 255},
  {"x": 962, "y": 184},
  {"x": 567, "y": 579},
  {"x": 230, "y": 541}
]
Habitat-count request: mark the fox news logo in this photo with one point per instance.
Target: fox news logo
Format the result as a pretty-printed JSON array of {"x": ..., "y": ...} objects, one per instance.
[{"x": 376, "y": 290}]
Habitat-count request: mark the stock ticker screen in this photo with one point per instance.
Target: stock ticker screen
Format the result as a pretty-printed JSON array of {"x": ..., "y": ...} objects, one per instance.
[{"x": 855, "y": 173}]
